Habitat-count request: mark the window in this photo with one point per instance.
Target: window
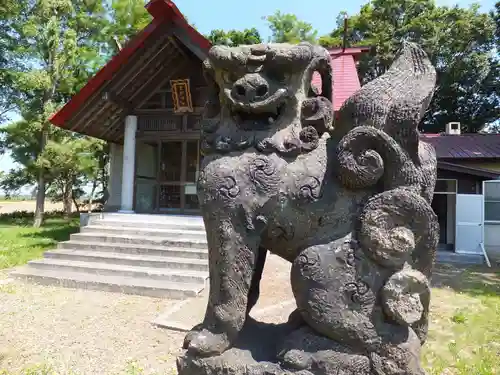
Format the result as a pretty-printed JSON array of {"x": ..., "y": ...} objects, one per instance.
[
  {"x": 445, "y": 186},
  {"x": 492, "y": 201}
]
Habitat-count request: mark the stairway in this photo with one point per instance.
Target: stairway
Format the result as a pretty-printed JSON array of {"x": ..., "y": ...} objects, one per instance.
[{"x": 150, "y": 255}]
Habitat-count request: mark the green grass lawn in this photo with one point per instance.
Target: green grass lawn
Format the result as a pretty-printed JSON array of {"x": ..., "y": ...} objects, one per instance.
[
  {"x": 464, "y": 331},
  {"x": 20, "y": 242}
]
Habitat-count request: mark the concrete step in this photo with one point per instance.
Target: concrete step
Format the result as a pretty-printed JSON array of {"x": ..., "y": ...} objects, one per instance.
[
  {"x": 119, "y": 284},
  {"x": 171, "y": 252},
  {"x": 153, "y": 273},
  {"x": 456, "y": 258},
  {"x": 145, "y": 232},
  {"x": 152, "y": 218},
  {"x": 179, "y": 241},
  {"x": 176, "y": 225},
  {"x": 138, "y": 260}
]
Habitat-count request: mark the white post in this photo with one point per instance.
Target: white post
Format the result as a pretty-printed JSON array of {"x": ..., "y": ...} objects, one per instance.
[{"x": 128, "y": 173}]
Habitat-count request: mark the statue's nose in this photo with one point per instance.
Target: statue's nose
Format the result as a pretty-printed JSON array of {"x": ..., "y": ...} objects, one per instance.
[{"x": 251, "y": 87}]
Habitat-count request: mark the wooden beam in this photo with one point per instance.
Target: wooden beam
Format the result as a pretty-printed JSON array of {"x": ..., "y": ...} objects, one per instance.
[
  {"x": 183, "y": 175},
  {"x": 151, "y": 136},
  {"x": 114, "y": 115},
  {"x": 122, "y": 74},
  {"x": 151, "y": 84},
  {"x": 152, "y": 70},
  {"x": 196, "y": 110},
  {"x": 118, "y": 101},
  {"x": 88, "y": 107},
  {"x": 186, "y": 40},
  {"x": 149, "y": 47},
  {"x": 173, "y": 40},
  {"x": 137, "y": 70},
  {"x": 111, "y": 98},
  {"x": 86, "y": 120},
  {"x": 158, "y": 176},
  {"x": 115, "y": 127}
]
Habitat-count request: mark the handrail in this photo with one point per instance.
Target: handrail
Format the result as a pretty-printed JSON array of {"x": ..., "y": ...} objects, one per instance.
[{"x": 485, "y": 254}]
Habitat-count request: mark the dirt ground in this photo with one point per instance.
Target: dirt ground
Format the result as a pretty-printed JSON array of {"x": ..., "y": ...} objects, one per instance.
[{"x": 91, "y": 332}]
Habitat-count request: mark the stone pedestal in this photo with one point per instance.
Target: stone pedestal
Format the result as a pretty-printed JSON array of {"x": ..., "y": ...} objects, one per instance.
[{"x": 270, "y": 349}]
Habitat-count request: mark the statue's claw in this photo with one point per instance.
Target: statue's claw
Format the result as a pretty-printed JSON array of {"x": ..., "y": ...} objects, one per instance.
[
  {"x": 205, "y": 343},
  {"x": 191, "y": 334}
]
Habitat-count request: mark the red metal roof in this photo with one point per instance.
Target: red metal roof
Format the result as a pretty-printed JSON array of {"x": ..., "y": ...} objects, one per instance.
[
  {"x": 162, "y": 11},
  {"x": 465, "y": 146},
  {"x": 355, "y": 51},
  {"x": 345, "y": 76}
]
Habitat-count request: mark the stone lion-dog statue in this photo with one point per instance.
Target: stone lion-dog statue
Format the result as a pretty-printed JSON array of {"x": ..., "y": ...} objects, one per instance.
[{"x": 345, "y": 197}]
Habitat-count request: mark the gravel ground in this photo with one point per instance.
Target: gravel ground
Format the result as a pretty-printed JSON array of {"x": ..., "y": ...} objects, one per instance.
[
  {"x": 90, "y": 332},
  {"x": 82, "y": 332}
]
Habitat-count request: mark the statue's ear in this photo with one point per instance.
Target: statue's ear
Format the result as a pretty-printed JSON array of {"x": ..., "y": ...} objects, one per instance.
[
  {"x": 317, "y": 109},
  {"x": 212, "y": 106},
  {"x": 321, "y": 64}
]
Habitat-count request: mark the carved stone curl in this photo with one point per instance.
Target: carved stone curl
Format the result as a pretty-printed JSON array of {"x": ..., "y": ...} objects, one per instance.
[{"x": 348, "y": 203}]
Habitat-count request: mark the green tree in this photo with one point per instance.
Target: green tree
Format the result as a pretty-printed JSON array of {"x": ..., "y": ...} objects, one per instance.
[
  {"x": 17, "y": 139},
  {"x": 56, "y": 54},
  {"x": 125, "y": 19},
  {"x": 459, "y": 42},
  {"x": 495, "y": 14},
  {"x": 9, "y": 10},
  {"x": 287, "y": 28},
  {"x": 72, "y": 163},
  {"x": 234, "y": 38},
  {"x": 69, "y": 162}
]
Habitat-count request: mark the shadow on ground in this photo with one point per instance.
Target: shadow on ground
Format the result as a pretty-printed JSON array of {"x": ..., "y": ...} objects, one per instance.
[
  {"x": 54, "y": 229},
  {"x": 55, "y": 232},
  {"x": 25, "y": 218},
  {"x": 473, "y": 280}
]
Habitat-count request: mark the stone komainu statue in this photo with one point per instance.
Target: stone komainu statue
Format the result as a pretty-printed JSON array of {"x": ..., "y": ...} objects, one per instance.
[{"x": 346, "y": 201}]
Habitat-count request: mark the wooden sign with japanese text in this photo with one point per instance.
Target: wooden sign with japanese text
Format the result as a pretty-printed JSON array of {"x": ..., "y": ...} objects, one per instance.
[{"x": 181, "y": 95}]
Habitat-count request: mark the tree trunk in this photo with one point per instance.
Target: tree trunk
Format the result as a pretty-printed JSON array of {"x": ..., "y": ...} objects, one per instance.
[
  {"x": 68, "y": 200},
  {"x": 40, "y": 200},
  {"x": 40, "y": 193},
  {"x": 75, "y": 202},
  {"x": 91, "y": 197}
]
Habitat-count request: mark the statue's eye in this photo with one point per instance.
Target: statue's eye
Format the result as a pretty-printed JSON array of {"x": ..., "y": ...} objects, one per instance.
[
  {"x": 278, "y": 75},
  {"x": 229, "y": 77}
]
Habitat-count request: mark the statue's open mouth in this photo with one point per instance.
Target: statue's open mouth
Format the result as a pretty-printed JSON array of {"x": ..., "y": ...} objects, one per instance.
[
  {"x": 258, "y": 115},
  {"x": 247, "y": 119}
]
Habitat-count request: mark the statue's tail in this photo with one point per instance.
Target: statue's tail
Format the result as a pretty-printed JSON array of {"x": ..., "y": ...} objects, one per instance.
[{"x": 399, "y": 227}]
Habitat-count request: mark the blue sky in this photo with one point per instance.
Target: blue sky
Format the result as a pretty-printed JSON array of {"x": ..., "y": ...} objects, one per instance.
[{"x": 232, "y": 14}]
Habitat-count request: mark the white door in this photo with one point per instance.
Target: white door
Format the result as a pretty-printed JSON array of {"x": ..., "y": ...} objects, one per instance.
[{"x": 469, "y": 224}]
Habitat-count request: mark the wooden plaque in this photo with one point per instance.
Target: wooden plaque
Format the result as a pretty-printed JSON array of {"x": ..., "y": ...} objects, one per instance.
[{"x": 181, "y": 95}]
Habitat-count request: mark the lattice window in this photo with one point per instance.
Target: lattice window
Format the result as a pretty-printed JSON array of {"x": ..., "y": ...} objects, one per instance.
[{"x": 160, "y": 123}]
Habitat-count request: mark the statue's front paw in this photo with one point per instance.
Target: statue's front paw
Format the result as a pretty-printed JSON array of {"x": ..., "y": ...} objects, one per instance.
[
  {"x": 205, "y": 343},
  {"x": 191, "y": 334}
]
